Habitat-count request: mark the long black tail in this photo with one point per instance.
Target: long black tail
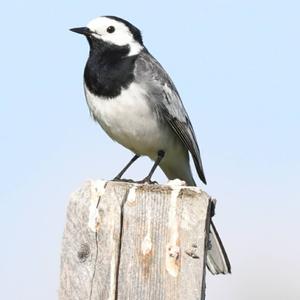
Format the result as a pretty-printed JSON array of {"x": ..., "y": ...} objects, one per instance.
[{"x": 217, "y": 260}]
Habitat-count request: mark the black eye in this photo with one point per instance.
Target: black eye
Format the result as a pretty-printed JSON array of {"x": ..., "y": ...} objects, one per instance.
[{"x": 110, "y": 29}]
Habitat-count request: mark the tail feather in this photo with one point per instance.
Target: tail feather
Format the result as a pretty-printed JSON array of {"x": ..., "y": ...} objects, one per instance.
[{"x": 217, "y": 260}]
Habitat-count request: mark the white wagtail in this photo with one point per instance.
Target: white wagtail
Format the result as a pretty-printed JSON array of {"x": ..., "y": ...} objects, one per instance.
[{"x": 136, "y": 103}]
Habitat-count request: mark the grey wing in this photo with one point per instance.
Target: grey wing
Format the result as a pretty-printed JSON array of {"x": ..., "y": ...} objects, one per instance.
[{"x": 167, "y": 103}]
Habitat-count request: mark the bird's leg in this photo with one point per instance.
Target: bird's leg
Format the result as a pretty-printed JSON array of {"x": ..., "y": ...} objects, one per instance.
[
  {"x": 118, "y": 177},
  {"x": 147, "y": 179}
]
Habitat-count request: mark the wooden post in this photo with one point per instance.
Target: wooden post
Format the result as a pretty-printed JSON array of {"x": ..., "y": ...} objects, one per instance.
[{"x": 135, "y": 242}]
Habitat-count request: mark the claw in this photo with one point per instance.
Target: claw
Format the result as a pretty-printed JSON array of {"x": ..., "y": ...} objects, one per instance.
[
  {"x": 123, "y": 180},
  {"x": 147, "y": 181}
]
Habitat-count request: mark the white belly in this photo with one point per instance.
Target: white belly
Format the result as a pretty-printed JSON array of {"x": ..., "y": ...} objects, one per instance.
[{"x": 130, "y": 121}]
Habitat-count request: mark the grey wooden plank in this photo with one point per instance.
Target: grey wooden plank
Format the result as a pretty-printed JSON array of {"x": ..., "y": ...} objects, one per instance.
[
  {"x": 163, "y": 244},
  {"x": 129, "y": 241},
  {"x": 108, "y": 241},
  {"x": 90, "y": 249},
  {"x": 78, "y": 251}
]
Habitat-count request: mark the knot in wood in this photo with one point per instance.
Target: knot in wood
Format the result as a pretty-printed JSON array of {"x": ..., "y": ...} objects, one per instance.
[
  {"x": 192, "y": 252},
  {"x": 174, "y": 251},
  {"x": 83, "y": 252}
]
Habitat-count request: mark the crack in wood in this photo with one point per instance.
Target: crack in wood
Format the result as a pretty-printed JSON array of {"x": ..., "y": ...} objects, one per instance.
[
  {"x": 206, "y": 244},
  {"x": 120, "y": 239}
]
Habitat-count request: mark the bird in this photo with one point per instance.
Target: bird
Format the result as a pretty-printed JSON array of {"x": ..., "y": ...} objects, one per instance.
[{"x": 136, "y": 103}]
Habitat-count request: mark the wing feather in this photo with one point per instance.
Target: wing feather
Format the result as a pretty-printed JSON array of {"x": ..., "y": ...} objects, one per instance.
[{"x": 160, "y": 87}]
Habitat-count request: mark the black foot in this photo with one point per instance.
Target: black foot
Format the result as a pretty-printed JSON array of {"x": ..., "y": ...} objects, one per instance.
[
  {"x": 147, "y": 181},
  {"x": 123, "y": 180}
]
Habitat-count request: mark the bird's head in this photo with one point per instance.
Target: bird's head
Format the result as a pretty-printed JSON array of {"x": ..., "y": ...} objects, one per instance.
[{"x": 112, "y": 31}]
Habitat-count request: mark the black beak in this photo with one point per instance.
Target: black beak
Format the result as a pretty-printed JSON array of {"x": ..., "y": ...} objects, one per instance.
[{"x": 82, "y": 30}]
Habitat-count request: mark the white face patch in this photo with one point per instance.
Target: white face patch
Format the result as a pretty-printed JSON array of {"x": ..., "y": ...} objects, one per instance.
[{"x": 121, "y": 35}]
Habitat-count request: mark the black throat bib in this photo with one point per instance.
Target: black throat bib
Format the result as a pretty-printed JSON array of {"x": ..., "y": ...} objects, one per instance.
[{"x": 108, "y": 69}]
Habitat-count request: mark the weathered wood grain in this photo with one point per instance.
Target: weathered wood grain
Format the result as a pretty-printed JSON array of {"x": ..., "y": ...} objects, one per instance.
[{"x": 130, "y": 241}]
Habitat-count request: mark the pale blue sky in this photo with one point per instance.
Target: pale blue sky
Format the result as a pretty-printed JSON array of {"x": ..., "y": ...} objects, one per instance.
[{"x": 237, "y": 67}]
